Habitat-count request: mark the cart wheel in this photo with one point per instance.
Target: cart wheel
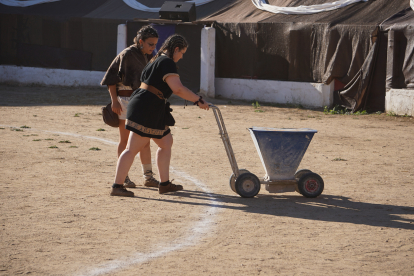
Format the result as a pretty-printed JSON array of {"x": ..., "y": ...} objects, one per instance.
[
  {"x": 247, "y": 185},
  {"x": 298, "y": 175},
  {"x": 232, "y": 180},
  {"x": 310, "y": 185}
]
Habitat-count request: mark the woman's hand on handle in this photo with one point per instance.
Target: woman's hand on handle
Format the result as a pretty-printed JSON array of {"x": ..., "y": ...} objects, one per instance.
[{"x": 204, "y": 105}]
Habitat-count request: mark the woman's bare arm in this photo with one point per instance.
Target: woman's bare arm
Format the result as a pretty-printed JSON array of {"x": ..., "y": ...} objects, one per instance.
[{"x": 180, "y": 90}]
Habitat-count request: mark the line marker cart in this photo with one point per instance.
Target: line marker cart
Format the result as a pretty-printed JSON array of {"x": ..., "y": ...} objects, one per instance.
[{"x": 281, "y": 151}]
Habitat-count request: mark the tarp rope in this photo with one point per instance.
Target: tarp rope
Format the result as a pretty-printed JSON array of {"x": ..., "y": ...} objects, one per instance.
[
  {"x": 138, "y": 6},
  {"x": 262, "y": 5},
  {"x": 22, "y": 4}
]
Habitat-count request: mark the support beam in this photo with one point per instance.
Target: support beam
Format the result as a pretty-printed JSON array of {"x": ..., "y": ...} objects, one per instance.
[
  {"x": 121, "y": 43},
  {"x": 208, "y": 60}
]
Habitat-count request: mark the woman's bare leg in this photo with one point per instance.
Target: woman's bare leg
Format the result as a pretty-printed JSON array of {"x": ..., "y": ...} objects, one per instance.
[
  {"x": 148, "y": 174},
  {"x": 145, "y": 154},
  {"x": 145, "y": 157},
  {"x": 123, "y": 141},
  {"x": 164, "y": 156},
  {"x": 135, "y": 144},
  {"x": 163, "y": 163},
  {"x": 123, "y": 137}
]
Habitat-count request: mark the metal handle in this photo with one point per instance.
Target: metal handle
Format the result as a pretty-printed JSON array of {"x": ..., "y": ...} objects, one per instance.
[{"x": 226, "y": 140}]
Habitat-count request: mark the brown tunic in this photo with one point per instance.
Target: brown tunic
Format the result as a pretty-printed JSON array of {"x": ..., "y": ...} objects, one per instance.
[{"x": 127, "y": 68}]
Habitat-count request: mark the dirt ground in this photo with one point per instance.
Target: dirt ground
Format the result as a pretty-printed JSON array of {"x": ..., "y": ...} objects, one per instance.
[{"x": 57, "y": 217}]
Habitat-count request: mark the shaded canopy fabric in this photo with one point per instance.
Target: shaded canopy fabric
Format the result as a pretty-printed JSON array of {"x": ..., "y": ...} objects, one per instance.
[
  {"x": 322, "y": 47},
  {"x": 260, "y": 4},
  {"x": 17, "y": 3},
  {"x": 310, "y": 48},
  {"x": 62, "y": 10},
  {"x": 107, "y": 9},
  {"x": 389, "y": 64},
  {"x": 117, "y": 9}
]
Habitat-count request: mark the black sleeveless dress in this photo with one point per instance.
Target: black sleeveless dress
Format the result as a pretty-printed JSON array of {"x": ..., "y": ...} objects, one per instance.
[{"x": 146, "y": 114}]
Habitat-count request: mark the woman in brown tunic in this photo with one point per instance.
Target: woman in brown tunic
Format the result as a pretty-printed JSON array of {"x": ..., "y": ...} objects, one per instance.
[
  {"x": 149, "y": 116},
  {"x": 122, "y": 78}
]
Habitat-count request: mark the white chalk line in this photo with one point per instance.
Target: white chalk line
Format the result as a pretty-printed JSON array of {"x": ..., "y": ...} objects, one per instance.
[{"x": 197, "y": 231}]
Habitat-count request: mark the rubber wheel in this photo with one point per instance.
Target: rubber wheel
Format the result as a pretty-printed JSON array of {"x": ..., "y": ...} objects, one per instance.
[
  {"x": 247, "y": 185},
  {"x": 310, "y": 185},
  {"x": 298, "y": 175},
  {"x": 232, "y": 180}
]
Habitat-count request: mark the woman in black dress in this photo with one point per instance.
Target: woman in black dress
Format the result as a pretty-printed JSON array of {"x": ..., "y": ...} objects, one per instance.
[{"x": 148, "y": 115}]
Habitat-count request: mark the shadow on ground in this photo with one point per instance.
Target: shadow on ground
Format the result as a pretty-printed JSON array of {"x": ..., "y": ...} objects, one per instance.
[
  {"x": 328, "y": 208},
  {"x": 18, "y": 95},
  {"x": 13, "y": 95}
]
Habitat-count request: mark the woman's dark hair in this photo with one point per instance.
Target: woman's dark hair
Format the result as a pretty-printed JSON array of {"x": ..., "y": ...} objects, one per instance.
[
  {"x": 145, "y": 32},
  {"x": 170, "y": 44}
]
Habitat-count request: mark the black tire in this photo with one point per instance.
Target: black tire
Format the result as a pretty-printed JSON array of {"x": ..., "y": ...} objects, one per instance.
[
  {"x": 298, "y": 175},
  {"x": 310, "y": 185},
  {"x": 247, "y": 185},
  {"x": 232, "y": 180}
]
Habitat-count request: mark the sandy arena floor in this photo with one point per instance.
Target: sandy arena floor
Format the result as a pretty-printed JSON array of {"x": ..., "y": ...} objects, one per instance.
[{"x": 57, "y": 217}]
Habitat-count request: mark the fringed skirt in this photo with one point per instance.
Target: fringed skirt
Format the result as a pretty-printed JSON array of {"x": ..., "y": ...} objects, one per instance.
[{"x": 146, "y": 115}]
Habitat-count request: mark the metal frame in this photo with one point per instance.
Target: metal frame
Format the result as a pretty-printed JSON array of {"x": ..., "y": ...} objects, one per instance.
[
  {"x": 227, "y": 145},
  {"x": 226, "y": 140},
  {"x": 230, "y": 154}
]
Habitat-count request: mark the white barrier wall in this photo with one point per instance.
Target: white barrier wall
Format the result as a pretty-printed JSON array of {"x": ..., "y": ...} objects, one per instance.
[
  {"x": 43, "y": 76},
  {"x": 400, "y": 101},
  {"x": 284, "y": 92}
]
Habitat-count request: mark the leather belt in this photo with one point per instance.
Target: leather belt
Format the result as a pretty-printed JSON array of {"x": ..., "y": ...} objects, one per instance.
[
  {"x": 125, "y": 93},
  {"x": 153, "y": 90}
]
